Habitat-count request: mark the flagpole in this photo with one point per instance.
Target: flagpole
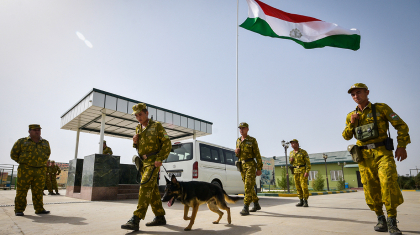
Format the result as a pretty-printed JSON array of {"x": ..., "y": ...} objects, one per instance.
[{"x": 237, "y": 79}]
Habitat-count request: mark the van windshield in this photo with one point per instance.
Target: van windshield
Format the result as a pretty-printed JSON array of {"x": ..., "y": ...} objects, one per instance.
[{"x": 180, "y": 152}]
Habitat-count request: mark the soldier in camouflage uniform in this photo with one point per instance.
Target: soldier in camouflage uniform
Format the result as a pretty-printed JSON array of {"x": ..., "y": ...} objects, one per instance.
[
  {"x": 55, "y": 170},
  {"x": 107, "y": 150},
  {"x": 247, "y": 150},
  {"x": 299, "y": 158},
  {"x": 378, "y": 170},
  {"x": 153, "y": 146},
  {"x": 48, "y": 179},
  {"x": 31, "y": 153}
]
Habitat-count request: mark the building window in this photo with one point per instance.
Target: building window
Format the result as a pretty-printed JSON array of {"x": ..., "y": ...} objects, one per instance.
[
  {"x": 336, "y": 175},
  {"x": 312, "y": 175}
]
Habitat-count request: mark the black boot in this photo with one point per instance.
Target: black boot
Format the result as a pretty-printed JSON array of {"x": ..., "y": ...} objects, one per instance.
[
  {"x": 245, "y": 210},
  {"x": 305, "y": 203},
  {"x": 42, "y": 212},
  {"x": 132, "y": 224},
  {"x": 392, "y": 226},
  {"x": 56, "y": 193},
  {"x": 300, "y": 203},
  {"x": 157, "y": 221},
  {"x": 256, "y": 207},
  {"x": 51, "y": 193},
  {"x": 381, "y": 226}
]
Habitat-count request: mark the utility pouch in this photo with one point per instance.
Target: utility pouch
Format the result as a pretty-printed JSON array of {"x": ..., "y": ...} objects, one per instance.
[
  {"x": 389, "y": 142},
  {"x": 368, "y": 131},
  {"x": 356, "y": 153},
  {"x": 238, "y": 165},
  {"x": 292, "y": 168},
  {"x": 138, "y": 162}
]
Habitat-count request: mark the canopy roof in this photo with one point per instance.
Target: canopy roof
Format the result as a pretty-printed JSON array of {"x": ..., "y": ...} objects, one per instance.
[{"x": 119, "y": 122}]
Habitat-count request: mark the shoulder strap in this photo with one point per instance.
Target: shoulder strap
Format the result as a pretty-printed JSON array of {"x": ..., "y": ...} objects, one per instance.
[{"x": 374, "y": 113}]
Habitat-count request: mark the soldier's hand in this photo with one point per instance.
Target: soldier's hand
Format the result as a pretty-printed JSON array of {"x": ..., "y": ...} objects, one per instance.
[
  {"x": 136, "y": 138},
  {"x": 401, "y": 154},
  {"x": 158, "y": 164},
  {"x": 306, "y": 175},
  {"x": 354, "y": 116},
  {"x": 258, "y": 173},
  {"x": 291, "y": 160},
  {"x": 237, "y": 150}
]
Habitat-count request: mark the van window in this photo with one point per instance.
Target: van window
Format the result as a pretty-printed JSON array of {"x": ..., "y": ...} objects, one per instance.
[
  {"x": 230, "y": 157},
  {"x": 180, "y": 152},
  {"x": 210, "y": 154}
]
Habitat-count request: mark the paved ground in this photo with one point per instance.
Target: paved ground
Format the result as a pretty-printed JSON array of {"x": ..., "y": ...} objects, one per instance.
[{"x": 328, "y": 214}]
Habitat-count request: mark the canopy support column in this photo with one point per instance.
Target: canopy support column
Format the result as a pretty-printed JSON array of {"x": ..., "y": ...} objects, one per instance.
[
  {"x": 101, "y": 140},
  {"x": 77, "y": 143}
]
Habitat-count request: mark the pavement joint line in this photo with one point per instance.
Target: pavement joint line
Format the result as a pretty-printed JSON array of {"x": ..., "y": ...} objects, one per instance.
[
  {"x": 48, "y": 203},
  {"x": 310, "y": 194}
]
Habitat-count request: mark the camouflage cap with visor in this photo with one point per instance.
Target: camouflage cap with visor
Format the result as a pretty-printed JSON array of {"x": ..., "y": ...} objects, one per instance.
[
  {"x": 294, "y": 140},
  {"x": 356, "y": 86},
  {"x": 138, "y": 108},
  {"x": 243, "y": 124},
  {"x": 34, "y": 126}
]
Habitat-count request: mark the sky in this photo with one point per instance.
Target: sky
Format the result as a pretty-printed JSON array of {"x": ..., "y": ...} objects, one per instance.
[{"x": 181, "y": 55}]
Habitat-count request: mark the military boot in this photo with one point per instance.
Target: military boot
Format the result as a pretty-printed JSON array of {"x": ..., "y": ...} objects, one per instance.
[
  {"x": 245, "y": 210},
  {"x": 51, "y": 193},
  {"x": 300, "y": 203},
  {"x": 392, "y": 226},
  {"x": 56, "y": 193},
  {"x": 305, "y": 203},
  {"x": 157, "y": 221},
  {"x": 381, "y": 226},
  {"x": 256, "y": 207},
  {"x": 132, "y": 224}
]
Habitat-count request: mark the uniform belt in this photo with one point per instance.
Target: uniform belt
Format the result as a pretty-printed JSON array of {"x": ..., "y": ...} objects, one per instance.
[
  {"x": 299, "y": 166},
  {"x": 145, "y": 156},
  {"x": 247, "y": 160},
  {"x": 372, "y": 146}
]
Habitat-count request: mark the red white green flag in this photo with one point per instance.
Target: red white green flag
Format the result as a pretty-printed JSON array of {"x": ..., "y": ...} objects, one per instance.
[{"x": 307, "y": 31}]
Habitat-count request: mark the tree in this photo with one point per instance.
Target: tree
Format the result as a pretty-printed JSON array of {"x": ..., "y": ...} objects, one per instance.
[
  {"x": 341, "y": 184},
  {"x": 318, "y": 183}
]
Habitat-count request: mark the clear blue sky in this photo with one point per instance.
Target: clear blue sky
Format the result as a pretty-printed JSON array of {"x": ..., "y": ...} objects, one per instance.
[{"x": 180, "y": 55}]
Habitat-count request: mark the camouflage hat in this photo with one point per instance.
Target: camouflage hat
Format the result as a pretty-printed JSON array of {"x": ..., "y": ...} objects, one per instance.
[
  {"x": 52, "y": 161},
  {"x": 243, "y": 124},
  {"x": 34, "y": 126},
  {"x": 104, "y": 141},
  {"x": 294, "y": 140},
  {"x": 357, "y": 85},
  {"x": 138, "y": 108}
]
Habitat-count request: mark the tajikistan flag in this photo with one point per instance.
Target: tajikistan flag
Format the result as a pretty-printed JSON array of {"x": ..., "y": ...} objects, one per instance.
[{"x": 307, "y": 31}]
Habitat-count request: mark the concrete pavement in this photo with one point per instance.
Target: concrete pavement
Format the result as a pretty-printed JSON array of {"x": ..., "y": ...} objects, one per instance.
[{"x": 344, "y": 213}]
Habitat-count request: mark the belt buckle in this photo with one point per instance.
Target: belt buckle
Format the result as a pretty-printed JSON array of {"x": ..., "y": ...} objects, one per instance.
[
  {"x": 243, "y": 161},
  {"x": 370, "y": 146},
  {"x": 297, "y": 166}
]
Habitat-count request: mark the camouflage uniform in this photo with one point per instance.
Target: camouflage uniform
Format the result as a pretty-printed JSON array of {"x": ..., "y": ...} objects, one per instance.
[
  {"x": 107, "y": 151},
  {"x": 48, "y": 179},
  {"x": 32, "y": 158},
  {"x": 301, "y": 158},
  {"x": 249, "y": 150},
  {"x": 152, "y": 139},
  {"x": 55, "y": 170},
  {"x": 378, "y": 170}
]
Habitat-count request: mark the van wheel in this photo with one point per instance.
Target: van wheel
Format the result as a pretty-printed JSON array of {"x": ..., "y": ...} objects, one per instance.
[{"x": 217, "y": 184}]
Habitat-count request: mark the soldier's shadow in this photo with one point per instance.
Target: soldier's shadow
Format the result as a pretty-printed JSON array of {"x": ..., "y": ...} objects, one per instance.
[
  {"x": 56, "y": 219},
  {"x": 232, "y": 229}
]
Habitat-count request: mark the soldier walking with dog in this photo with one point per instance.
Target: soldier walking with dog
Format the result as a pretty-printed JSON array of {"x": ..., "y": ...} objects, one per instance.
[
  {"x": 301, "y": 165},
  {"x": 369, "y": 124},
  {"x": 247, "y": 150},
  {"x": 153, "y": 146}
]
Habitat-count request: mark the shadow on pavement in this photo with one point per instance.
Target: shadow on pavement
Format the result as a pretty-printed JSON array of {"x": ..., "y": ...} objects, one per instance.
[
  {"x": 341, "y": 208},
  {"x": 233, "y": 229},
  {"x": 56, "y": 219},
  {"x": 413, "y": 232}
]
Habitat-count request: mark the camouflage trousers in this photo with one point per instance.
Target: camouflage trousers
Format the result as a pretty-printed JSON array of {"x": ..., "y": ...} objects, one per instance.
[
  {"x": 149, "y": 193},
  {"x": 33, "y": 177},
  {"x": 379, "y": 176},
  {"x": 48, "y": 183},
  {"x": 248, "y": 174},
  {"x": 54, "y": 182},
  {"x": 301, "y": 185}
]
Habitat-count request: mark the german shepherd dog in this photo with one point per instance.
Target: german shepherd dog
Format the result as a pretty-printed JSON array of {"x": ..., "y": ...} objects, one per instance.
[{"x": 193, "y": 194}]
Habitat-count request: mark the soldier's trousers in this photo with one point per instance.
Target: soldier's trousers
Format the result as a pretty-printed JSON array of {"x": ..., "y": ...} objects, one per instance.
[
  {"x": 54, "y": 182},
  {"x": 380, "y": 180},
  {"x": 248, "y": 174},
  {"x": 149, "y": 193},
  {"x": 30, "y": 177},
  {"x": 48, "y": 183},
  {"x": 301, "y": 185}
]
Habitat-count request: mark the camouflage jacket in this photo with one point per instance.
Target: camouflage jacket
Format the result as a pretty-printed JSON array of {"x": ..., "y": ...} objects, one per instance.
[
  {"x": 107, "y": 151},
  {"x": 300, "y": 158},
  {"x": 55, "y": 170},
  {"x": 249, "y": 149},
  {"x": 49, "y": 170},
  {"x": 26, "y": 151},
  {"x": 384, "y": 114},
  {"x": 153, "y": 138}
]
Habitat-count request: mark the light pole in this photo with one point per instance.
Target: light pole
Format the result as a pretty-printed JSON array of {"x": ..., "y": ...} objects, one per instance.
[
  {"x": 286, "y": 145},
  {"x": 342, "y": 168},
  {"x": 325, "y": 156}
]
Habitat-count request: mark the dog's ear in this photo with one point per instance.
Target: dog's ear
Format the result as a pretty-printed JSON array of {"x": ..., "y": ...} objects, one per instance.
[
  {"x": 173, "y": 179},
  {"x": 167, "y": 181}
]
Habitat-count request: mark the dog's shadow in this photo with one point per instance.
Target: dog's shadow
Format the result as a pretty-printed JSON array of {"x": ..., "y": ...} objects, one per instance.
[{"x": 232, "y": 229}]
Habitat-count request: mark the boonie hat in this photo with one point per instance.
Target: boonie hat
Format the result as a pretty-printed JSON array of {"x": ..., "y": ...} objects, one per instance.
[
  {"x": 243, "y": 124},
  {"x": 357, "y": 85},
  {"x": 138, "y": 108},
  {"x": 294, "y": 140},
  {"x": 34, "y": 126}
]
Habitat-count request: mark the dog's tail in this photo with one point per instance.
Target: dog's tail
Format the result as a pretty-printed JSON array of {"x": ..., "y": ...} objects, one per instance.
[{"x": 230, "y": 199}]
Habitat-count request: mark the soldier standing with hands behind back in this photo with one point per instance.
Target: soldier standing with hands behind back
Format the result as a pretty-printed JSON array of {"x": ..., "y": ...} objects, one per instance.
[
  {"x": 153, "y": 146},
  {"x": 377, "y": 166},
  {"x": 247, "y": 150},
  {"x": 299, "y": 158}
]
